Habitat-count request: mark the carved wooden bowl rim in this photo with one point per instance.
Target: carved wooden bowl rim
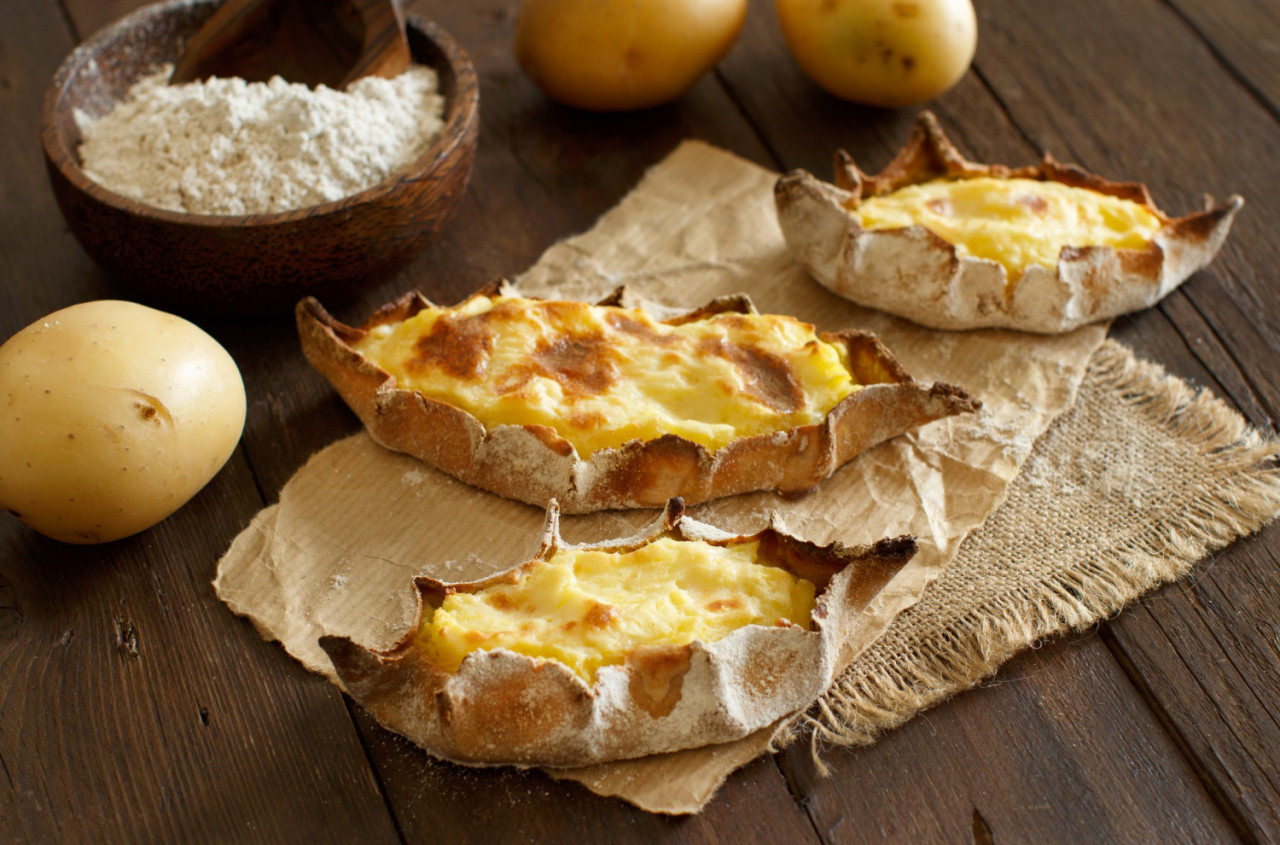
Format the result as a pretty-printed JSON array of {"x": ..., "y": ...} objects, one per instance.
[{"x": 461, "y": 111}]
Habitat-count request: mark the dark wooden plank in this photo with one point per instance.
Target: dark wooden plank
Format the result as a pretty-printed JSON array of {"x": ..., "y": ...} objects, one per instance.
[
  {"x": 1226, "y": 717},
  {"x": 88, "y": 16},
  {"x": 1074, "y": 755},
  {"x": 1207, "y": 347},
  {"x": 505, "y": 804},
  {"x": 1244, "y": 35},
  {"x": 133, "y": 705},
  {"x": 43, "y": 268},
  {"x": 1203, "y": 651}
]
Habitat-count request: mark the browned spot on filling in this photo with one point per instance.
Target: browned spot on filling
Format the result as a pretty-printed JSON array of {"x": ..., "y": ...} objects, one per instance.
[
  {"x": 724, "y": 604},
  {"x": 457, "y": 346},
  {"x": 515, "y": 378},
  {"x": 766, "y": 377},
  {"x": 584, "y": 365},
  {"x": 906, "y": 10},
  {"x": 560, "y": 314},
  {"x": 739, "y": 322},
  {"x": 620, "y": 322},
  {"x": 587, "y": 420},
  {"x": 1034, "y": 203},
  {"x": 501, "y": 601},
  {"x": 940, "y": 206},
  {"x": 600, "y": 615}
]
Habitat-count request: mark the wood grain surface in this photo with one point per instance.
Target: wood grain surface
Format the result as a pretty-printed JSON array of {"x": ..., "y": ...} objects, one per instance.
[{"x": 135, "y": 708}]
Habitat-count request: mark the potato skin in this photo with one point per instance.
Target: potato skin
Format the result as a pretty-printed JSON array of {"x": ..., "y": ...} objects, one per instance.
[
  {"x": 885, "y": 53},
  {"x": 617, "y": 55},
  {"x": 113, "y": 416}
]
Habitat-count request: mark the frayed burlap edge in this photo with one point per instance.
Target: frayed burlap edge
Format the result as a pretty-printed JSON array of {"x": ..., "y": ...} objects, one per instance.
[{"x": 1244, "y": 495}]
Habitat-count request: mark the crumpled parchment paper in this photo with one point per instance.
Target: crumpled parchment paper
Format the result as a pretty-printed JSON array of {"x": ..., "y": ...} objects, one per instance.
[{"x": 337, "y": 554}]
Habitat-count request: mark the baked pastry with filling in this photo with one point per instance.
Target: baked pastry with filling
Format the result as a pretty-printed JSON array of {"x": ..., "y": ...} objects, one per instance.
[
  {"x": 953, "y": 244},
  {"x": 680, "y": 637},
  {"x": 603, "y": 406}
]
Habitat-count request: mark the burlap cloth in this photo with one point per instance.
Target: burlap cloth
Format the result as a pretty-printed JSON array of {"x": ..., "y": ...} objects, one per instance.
[{"x": 1140, "y": 479}]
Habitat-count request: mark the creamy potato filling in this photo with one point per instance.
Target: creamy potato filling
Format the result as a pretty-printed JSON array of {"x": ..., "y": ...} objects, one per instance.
[
  {"x": 601, "y": 376},
  {"x": 588, "y": 609},
  {"x": 1014, "y": 222}
]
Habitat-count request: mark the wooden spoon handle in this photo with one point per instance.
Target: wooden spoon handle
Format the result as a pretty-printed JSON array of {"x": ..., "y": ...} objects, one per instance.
[
  {"x": 385, "y": 51},
  {"x": 333, "y": 42},
  {"x": 233, "y": 21}
]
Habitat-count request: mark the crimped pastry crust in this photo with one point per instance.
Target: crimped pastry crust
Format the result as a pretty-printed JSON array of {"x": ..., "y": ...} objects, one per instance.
[
  {"x": 914, "y": 273},
  {"x": 503, "y": 707},
  {"x": 534, "y": 464}
]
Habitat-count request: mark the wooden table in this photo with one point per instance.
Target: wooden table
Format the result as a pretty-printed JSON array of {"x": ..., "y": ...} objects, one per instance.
[{"x": 135, "y": 707}]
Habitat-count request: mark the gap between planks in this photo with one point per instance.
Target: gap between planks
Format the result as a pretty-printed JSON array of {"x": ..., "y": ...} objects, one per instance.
[
  {"x": 1220, "y": 57},
  {"x": 373, "y": 768},
  {"x": 1215, "y": 792},
  {"x": 1254, "y": 394}
]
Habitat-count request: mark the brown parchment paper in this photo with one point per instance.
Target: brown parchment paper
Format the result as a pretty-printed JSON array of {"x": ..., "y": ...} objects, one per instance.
[{"x": 337, "y": 554}]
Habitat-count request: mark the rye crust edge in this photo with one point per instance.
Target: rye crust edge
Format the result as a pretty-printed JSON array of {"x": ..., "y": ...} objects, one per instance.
[
  {"x": 913, "y": 273},
  {"x": 501, "y": 707},
  {"x": 534, "y": 464}
]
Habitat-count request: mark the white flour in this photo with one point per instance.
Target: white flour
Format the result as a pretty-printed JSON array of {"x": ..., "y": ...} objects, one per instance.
[{"x": 225, "y": 146}]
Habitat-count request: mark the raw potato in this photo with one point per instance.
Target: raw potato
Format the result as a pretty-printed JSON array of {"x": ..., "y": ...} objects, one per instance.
[
  {"x": 114, "y": 415},
  {"x": 504, "y": 707},
  {"x": 615, "y": 55},
  {"x": 914, "y": 273},
  {"x": 881, "y": 52}
]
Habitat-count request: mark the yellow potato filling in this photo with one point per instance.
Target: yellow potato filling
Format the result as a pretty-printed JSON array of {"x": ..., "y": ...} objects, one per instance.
[
  {"x": 588, "y": 609},
  {"x": 1014, "y": 222},
  {"x": 601, "y": 376}
]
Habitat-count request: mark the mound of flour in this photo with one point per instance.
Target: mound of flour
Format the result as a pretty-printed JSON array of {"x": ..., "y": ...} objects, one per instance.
[{"x": 226, "y": 146}]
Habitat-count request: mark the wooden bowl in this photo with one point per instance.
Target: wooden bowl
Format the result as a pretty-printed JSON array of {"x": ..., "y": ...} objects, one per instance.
[{"x": 251, "y": 264}]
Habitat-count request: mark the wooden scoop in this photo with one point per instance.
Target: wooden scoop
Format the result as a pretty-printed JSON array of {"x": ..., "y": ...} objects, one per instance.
[{"x": 314, "y": 42}]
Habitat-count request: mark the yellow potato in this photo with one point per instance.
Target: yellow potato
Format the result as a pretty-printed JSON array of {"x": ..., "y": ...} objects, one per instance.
[
  {"x": 615, "y": 55},
  {"x": 112, "y": 416},
  {"x": 881, "y": 52}
]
